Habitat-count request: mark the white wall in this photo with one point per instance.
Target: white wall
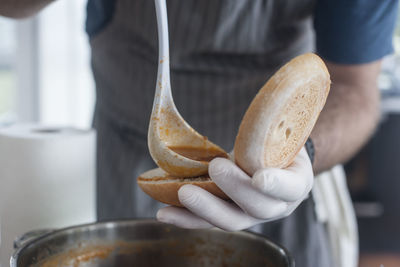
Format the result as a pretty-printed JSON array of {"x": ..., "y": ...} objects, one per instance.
[{"x": 66, "y": 89}]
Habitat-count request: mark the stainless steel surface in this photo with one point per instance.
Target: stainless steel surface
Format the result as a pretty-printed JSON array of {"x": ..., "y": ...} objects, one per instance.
[
  {"x": 29, "y": 236},
  {"x": 148, "y": 243}
]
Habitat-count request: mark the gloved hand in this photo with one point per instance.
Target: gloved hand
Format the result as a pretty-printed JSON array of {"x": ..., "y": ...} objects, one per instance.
[{"x": 271, "y": 194}]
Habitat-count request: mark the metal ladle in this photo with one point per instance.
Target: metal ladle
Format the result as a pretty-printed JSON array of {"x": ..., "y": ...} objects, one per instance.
[{"x": 167, "y": 127}]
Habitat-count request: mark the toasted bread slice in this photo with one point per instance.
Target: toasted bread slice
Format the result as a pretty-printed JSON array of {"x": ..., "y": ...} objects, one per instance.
[
  {"x": 164, "y": 187},
  {"x": 282, "y": 115}
]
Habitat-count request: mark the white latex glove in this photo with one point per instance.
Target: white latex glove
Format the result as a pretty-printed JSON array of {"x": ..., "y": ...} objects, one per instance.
[{"x": 270, "y": 195}]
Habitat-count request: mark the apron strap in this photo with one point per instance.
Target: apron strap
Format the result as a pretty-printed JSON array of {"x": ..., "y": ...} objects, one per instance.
[{"x": 333, "y": 206}]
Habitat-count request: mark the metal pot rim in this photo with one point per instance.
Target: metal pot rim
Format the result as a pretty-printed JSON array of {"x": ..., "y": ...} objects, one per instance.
[{"x": 119, "y": 222}]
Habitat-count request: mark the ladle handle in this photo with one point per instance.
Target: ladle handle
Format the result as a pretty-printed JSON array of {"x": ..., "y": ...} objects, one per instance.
[
  {"x": 163, "y": 76},
  {"x": 162, "y": 26}
]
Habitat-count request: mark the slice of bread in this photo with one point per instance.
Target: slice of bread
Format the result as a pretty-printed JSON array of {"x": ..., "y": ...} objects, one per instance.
[
  {"x": 164, "y": 187},
  {"x": 281, "y": 116}
]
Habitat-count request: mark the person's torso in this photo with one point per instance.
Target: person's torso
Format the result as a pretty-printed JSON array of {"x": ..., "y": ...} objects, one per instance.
[{"x": 222, "y": 52}]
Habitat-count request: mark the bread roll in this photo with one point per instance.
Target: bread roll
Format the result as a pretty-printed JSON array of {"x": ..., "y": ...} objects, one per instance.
[
  {"x": 273, "y": 130},
  {"x": 163, "y": 187},
  {"x": 280, "y": 118}
]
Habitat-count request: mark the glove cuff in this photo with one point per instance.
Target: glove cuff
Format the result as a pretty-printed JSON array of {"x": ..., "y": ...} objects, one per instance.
[{"x": 309, "y": 145}]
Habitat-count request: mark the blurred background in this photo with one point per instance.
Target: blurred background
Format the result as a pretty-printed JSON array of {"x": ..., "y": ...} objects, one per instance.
[
  {"x": 44, "y": 67},
  {"x": 45, "y": 77}
]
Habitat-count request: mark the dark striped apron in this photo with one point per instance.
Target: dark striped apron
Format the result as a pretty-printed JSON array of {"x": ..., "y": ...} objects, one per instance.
[{"x": 222, "y": 52}]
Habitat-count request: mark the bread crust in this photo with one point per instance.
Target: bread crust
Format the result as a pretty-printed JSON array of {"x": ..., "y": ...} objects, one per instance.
[
  {"x": 282, "y": 115},
  {"x": 164, "y": 187}
]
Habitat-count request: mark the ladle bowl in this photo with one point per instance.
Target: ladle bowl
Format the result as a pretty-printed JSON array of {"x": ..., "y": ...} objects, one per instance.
[{"x": 168, "y": 131}]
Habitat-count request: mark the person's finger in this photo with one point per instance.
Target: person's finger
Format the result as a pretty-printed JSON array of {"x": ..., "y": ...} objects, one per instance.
[
  {"x": 281, "y": 184},
  {"x": 181, "y": 217},
  {"x": 289, "y": 184},
  {"x": 216, "y": 211},
  {"x": 237, "y": 185}
]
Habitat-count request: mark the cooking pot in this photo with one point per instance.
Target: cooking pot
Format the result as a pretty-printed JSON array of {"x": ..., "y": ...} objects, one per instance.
[{"x": 147, "y": 243}]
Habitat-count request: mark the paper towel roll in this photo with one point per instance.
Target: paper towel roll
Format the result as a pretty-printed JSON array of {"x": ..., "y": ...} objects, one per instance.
[{"x": 47, "y": 180}]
